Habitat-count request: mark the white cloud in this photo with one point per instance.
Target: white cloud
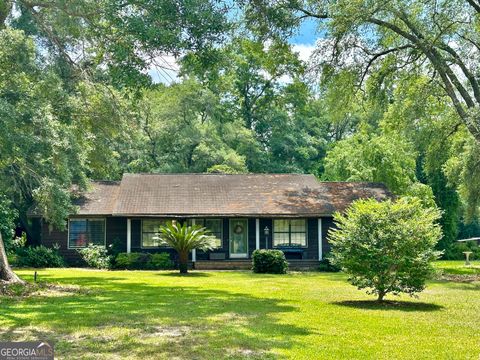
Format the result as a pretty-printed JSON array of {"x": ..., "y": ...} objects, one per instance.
[{"x": 304, "y": 51}]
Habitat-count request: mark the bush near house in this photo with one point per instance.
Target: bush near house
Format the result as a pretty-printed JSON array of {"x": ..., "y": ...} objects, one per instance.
[
  {"x": 96, "y": 256},
  {"x": 144, "y": 261},
  {"x": 386, "y": 247},
  {"x": 38, "y": 257},
  {"x": 327, "y": 266},
  {"x": 161, "y": 261},
  {"x": 269, "y": 262}
]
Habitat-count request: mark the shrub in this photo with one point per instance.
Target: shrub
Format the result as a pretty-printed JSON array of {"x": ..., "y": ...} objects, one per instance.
[
  {"x": 116, "y": 247},
  {"x": 133, "y": 261},
  {"x": 386, "y": 247},
  {"x": 161, "y": 261},
  {"x": 38, "y": 257},
  {"x": 96, "y": 256},
  {"x": 269, "y": 262},
  {"x": 327, "y": 266},
  {"x": 144, "y": 261}
]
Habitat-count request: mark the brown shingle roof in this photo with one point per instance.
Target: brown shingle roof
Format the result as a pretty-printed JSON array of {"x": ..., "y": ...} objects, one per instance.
[
  {"x": 99, "y": 200},
  {"x": 233, "y": 195}
]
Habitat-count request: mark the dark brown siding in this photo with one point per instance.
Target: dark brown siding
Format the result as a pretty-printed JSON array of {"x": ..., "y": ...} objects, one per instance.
[
  {"x": 327, "y": 223},
  {"x": 311, "y": 252},
  {"x": 136, "y": 235},
  {"x": 117, "y": 232},
  {"x": 252, "y": 240},
  {"x": 51, "y": 237}
]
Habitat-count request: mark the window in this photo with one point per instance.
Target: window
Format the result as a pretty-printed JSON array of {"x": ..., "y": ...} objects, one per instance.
[
  {"x": 289, "y": 233},
  {"x": 214, "y": 225},
  {"x": 82, "y": 232},
  {"x": 150, "y": 229}
]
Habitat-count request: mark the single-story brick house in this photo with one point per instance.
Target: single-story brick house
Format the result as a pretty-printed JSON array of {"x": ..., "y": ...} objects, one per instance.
[{"x": 291, "y": 212}]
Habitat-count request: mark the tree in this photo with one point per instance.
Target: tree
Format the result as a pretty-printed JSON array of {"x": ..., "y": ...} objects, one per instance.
[
  {"x": 406, "y": 35},
  {"x": 184, "y": 238},
  {"x": 268, "y": 113},
  {"x": 182, "y": 130},
  {"x": 370, "y": 157},
  {"x": 117, "y": 41},
  {"x": 6, "y": 273},
  {"x": 386, "y": 247}
]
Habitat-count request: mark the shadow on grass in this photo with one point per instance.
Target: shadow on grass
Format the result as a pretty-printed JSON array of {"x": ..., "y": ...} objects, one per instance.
[
  {"x": 172, "y": 320},
  {"x": 389, "y": 305},
  {"x": 188, "y": 275}
]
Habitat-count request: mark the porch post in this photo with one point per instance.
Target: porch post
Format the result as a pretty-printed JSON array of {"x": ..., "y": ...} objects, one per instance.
[
  {"x": 320, "y": 255},
  {"x": 194, "y": 251},
  {"x": 129, "y": 235},
  {"x": 257, "y": 233}
]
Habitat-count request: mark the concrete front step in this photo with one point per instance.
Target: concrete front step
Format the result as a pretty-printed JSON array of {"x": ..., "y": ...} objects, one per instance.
[{"x": 247, "y": 264}]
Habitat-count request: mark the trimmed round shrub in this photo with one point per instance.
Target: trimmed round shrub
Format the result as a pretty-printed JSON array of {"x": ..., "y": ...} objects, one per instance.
[
  {"x": 38, "y": 257},
  {"x": 269, "y": 262}
]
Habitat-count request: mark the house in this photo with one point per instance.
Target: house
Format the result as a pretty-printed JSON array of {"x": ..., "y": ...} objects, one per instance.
[{"x": 291, "y": 212}]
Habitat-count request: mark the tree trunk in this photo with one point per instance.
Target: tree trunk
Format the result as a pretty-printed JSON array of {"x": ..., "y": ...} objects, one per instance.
[
  {"x": 6, "y": 273},
  {"x": 381, "y": 295},
  {"x": 183, "y": 262}
]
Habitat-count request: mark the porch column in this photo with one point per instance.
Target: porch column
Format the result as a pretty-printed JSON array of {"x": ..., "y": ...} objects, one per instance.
[
  {"x": 320, "y": 255},
  {"x": 129, "y": 235},
  {"x": 257, "y": 233},
  {"x": 194, "y": 251}
]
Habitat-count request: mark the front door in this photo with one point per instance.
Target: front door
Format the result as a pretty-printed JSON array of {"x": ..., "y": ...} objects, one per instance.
[{"x": 238, "y": 238}]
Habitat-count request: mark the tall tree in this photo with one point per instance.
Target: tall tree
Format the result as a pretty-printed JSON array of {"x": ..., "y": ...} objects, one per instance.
[
  {"x": 117, "y": 40},
  {"x": 440, "y": 37}
]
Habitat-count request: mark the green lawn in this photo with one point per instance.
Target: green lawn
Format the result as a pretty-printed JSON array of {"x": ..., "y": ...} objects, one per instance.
[
  {"x": 459, "y": 267},
  {"x": 239, "y": 315}
]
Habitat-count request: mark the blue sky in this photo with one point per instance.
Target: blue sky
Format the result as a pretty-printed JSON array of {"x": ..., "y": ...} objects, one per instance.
[{"x": 307, "y": 34}]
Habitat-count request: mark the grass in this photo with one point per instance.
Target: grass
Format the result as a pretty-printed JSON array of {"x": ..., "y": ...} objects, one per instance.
[
  {"x": 240, "y": 315},
  {"x": 458, "y": 267}
]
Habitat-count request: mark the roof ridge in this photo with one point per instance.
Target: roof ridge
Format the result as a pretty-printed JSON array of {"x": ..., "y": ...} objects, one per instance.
[{"x": 217, "y": 174}]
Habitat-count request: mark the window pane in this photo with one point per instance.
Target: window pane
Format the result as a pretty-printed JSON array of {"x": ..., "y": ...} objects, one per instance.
[
  {"x": 298, "y": 239},
  {"x": 96, "y": 232},
  {"x": 150, "y": 240},
  {"x": 297, "y": 225},
  {"x": 200, "y": 222},
  {"x": 280, "y": 239},
  {"x": 86, "y": 231},
  {"x": 280, "y": 225},
  {"x": 152, "y": 225},
  {"x": 150, "y": 228},
  {"x": 214, "y": 225}
]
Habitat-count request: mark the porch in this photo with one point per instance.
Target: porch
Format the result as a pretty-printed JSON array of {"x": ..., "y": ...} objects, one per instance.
[{"x": 246, "y": 264}]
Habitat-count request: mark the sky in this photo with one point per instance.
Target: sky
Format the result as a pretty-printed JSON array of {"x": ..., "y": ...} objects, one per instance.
[{"x": 303, "y": 42}]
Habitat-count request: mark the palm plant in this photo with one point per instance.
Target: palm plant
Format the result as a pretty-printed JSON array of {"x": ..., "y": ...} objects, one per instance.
[{"x": 184, "y": 238}]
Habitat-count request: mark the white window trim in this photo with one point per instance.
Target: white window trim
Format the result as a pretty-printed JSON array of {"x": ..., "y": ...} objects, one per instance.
[
  {"x": 257, "y": 234},
  {"x": 87, "y": 218},
  {"x": 320, "y": 239},
  {"x": 293, "y": 247}
]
